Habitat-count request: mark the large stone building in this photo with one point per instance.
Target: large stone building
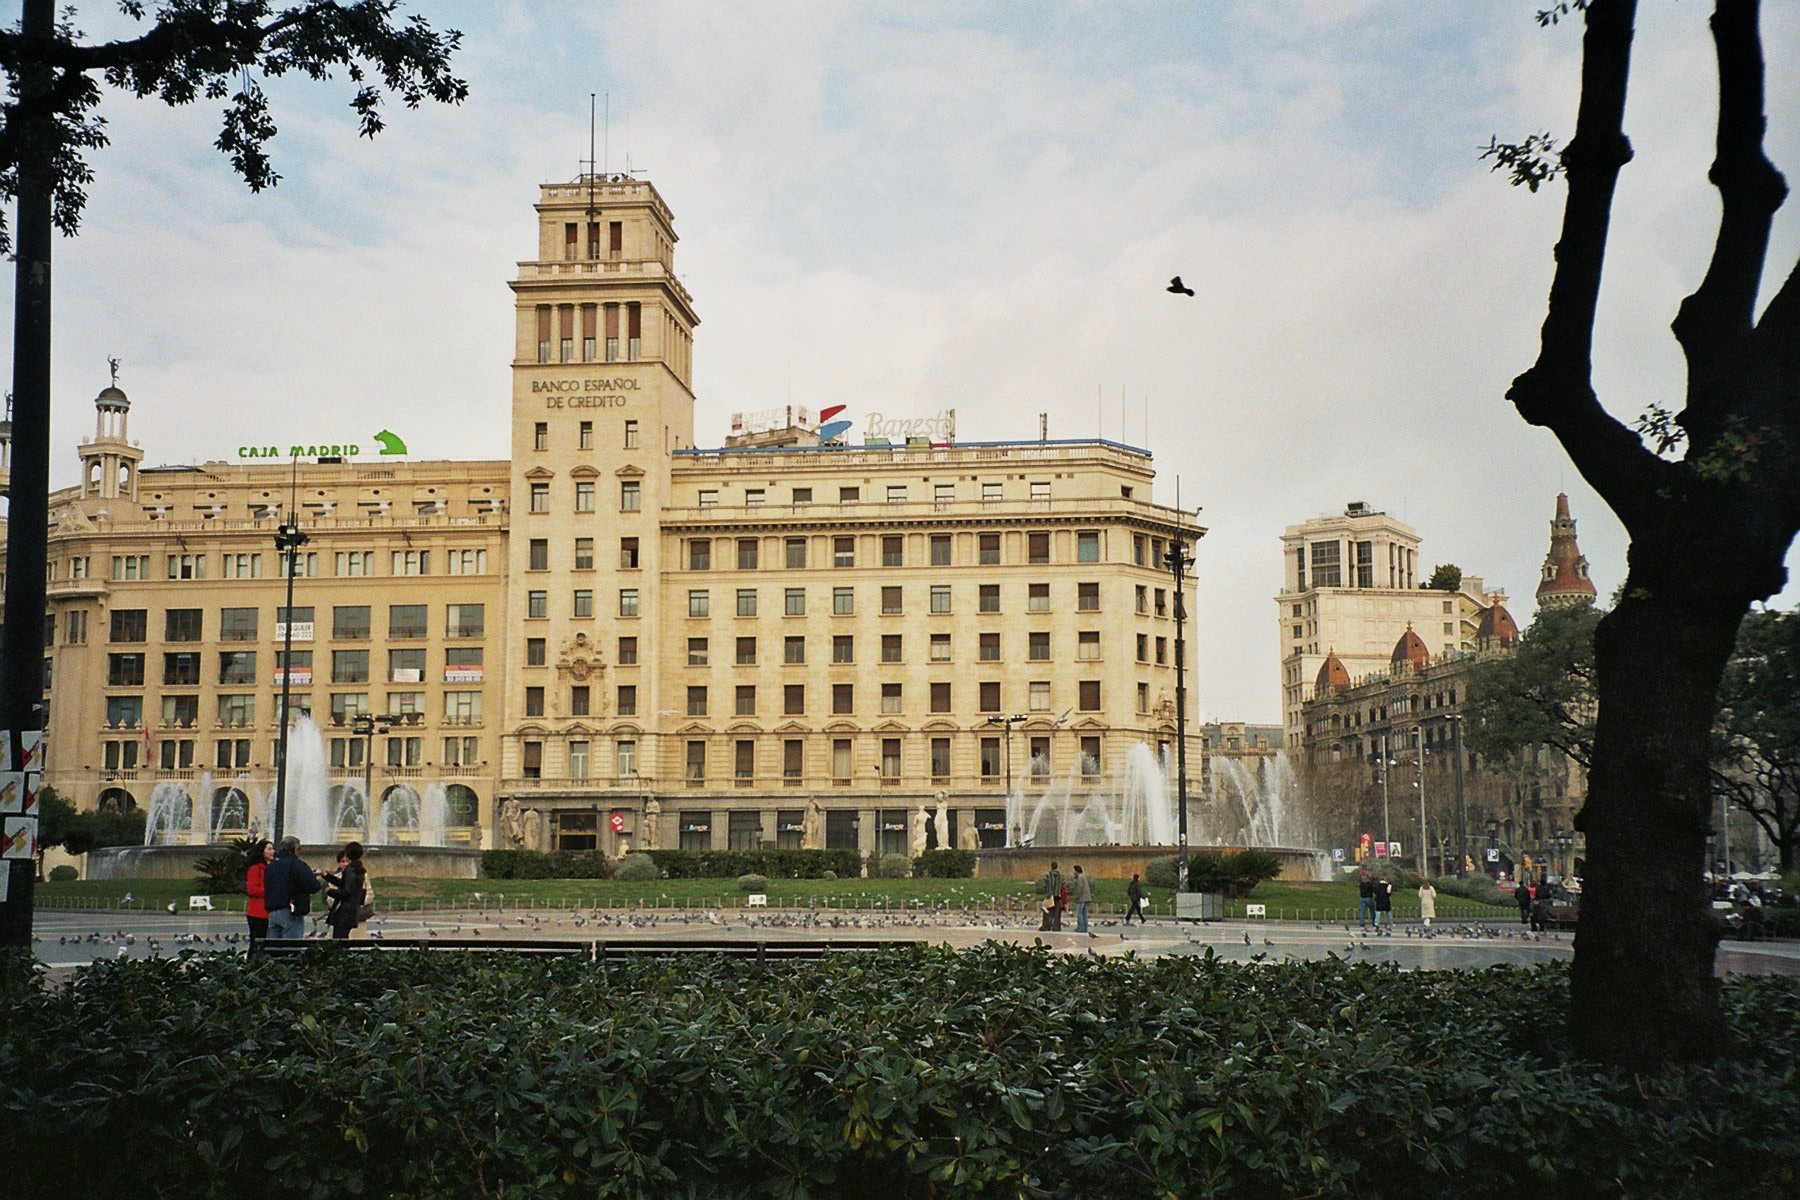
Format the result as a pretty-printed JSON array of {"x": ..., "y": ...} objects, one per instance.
[
  {"x": 615, "y": 637},
  {"x": 1351, "y": 582}
]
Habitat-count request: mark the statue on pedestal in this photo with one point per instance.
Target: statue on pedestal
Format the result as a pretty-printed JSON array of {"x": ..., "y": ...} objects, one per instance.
[
  {"x": 920, "y": 838},
  {"x": 812, "y": 826},
  {"x": 649, "y": 836},
  {"x": 941, "y": 822}
]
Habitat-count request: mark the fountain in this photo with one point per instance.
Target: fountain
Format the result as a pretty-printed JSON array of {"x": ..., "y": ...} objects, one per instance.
[
  {"x": 404, "y": 835},
  {"x": 1117, "y": 825}
]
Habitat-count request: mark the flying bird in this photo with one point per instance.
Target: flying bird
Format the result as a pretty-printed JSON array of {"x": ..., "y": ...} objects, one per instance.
[{"x": 1180, "y": 288}]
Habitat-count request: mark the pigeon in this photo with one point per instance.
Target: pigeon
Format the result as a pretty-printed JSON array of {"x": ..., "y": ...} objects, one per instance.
[
  {"x": 171, "y": 908},
  {"x": 1180, "y": 288},
  {"x": 1246, "y": 937}
]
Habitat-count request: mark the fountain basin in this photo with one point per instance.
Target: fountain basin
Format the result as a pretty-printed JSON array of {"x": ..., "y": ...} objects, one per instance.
[
  {"x": 1298, "y": 865},
  {"x": 383, "y": 862}
]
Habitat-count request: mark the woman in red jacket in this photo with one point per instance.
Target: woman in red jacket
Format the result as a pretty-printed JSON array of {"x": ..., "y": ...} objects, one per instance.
[{"x": 255, "y": 911}]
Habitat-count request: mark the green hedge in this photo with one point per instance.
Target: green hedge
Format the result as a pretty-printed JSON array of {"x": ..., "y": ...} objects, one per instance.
[
  {"x": 536, "y": 864},
  {"x": 1232, "y": 872},
  {"x": 1004, "y": 1072},
  {"x": 945, "y": 864},
  {"x": 776, "y": 864}
]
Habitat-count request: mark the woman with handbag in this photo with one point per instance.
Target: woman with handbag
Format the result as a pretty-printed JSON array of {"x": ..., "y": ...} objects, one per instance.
[
  {"x": 256, "y": 912},
  {"x": 346, "y": 891}
]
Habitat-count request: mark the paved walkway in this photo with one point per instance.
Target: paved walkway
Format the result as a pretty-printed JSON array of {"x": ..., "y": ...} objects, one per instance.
[{"x": 65, "y": 940}]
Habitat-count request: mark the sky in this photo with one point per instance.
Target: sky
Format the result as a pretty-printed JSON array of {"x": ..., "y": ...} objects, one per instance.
[{"x": 908, "y": 207}]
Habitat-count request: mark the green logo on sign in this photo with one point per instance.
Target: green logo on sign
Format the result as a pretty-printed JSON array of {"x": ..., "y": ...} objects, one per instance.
[{"x": 390, "y": 442}]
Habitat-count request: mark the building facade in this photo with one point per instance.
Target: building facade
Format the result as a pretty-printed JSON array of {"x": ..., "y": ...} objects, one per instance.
[{"x": 616, "y": 638}]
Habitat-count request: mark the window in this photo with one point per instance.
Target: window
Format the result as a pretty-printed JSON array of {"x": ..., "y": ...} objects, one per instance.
[
  {"x": 75, "y": 627},
  {"x": 584, "y": 553},
  {"x": 793, "y": 699},
  {"x": 540, "y": 435},
  {"x": 406, "y": 620},
  {"x": 699, "y": 603},
  {"x": 237, "y": 711},
  {"x": 890, "y": 601},
  {"x": 1162, "y": 651},
  {"x": 990, "y": 490},
  {"x": 1040, "y": 489},
  {"x": 242, "y": 566},
  {"x": 802, "y": 495},
  {"x": 235, "y": 666},
  {"x": 743, "y": 769},
  {"x": 584, "y": 436},
  {"x": 988, "y": 650},
  {"x": 537, "y": 604},
  {"x": 350, "y": 622},
  {"x": 1037, "y": 597},
  {"x": 1087, "y": 645},
  {"x": 121, "y": 756},
  {"x": 746, "y": 652},
  {"x": 125, "y": 670},
  {"x": 1087, "y": 546},
  {"x": 349, "y": 666},
  {"x": 235, "y": 625},
  {"x": 1089, "y": 695},
  {"x": 989, "y": 693},
  {"x": 849, "y": 495},
  {"x": 123, "y": 712},
  {"x": 940, "y": 697},
  {"x": 696, "y": 652},
  {"x": 628, "y": 652},
  {"x": 896, "y": 493},
  {"x": 840, "y": 759},
  {"x": 1143, "y": 647},
  {"x": 1037, "y": 694},
  {"x": 625, "y": 758},
  {"x": 940, "y": 758},
  {"x": 531, "y": 760},
  {"x": 1037, "y": 547},
  {"x": 893, "y": 550},
  {"x": 940, "y": 647},
  {"x": 628, "y": 553},
  {"x": 583, "y": 602},
  {"x": 1090, "y": 756},
  {"x": 345, "y": 705},
  {"x": 990, "y": 757},
  {"x": 794, "y": 600},
  {"x": 746, "y": 554},
  {"x": 411, "y": 562},
  {"x": 132, "y": 625},
  {"x": 579, "y": 700},
  {"x": 700, "y": 554},
  {"x": 792, "y": 767},
  {"x": 131, "y": 566},
  {"x": 1162, "y": 603},
  {"x": 988, "y": 598},
  {"x": 746, "y": 602},
  {"x": 1143, "y": 698},
  {"x": 843, "y": 552},
  {"x": 578, "y": 753},
  {"x": 940, "y": 597},
  {"x": 631, "y": 495},
  {"x": 1137, "y": 549},
  {"x": 628, "y": 700},
  {"x": 535, "y": 649},
  {"x": 534, "y": 701},
  {"x": 988, "y": 549},
  {"x": 843, "y": 648},
  {"x": 462, "y": 664},
  {"x": 465, "y": 620},
  {"x": 843, "y": 698},
  {"x": 182, "y": 711},
  {"x": 354, "y": 563},
  {"x": 177, "y": 755},
  {"x": 1143, "y": 599},
  {"x": 468, "y": 562},
  {"x": 793, "y": 650},
  {"x": 754, "y": 497},
  {"x": 1325, "y": 565},
  {"x": 231, "y": 753},
  {"x": 462, "y": 751},
  {"x": 540, "y": 496},
  {"x": 745, "y": 700},
  {"x": 709, "y": 497},
  {"x": 538, "y": 558},
  {"x": 940, "y": 549},
  {"x": 184, "y": 669},
  {"x": 1037, "y": 644},
  {"x": 584, "y": 495},
  {"x": 696, "y": 701},
  {"x": 628, "y": 602},
  {"x": 187, "y": 566},
  {"x": 631, "y": 434},
  {"x": 890, "y": 648},
  {"x": 696, "y": 771},
  {"x": 794, "y": 549},
  {"x": 843, "y": 601},
  {"x": 1087, "y": 597}
]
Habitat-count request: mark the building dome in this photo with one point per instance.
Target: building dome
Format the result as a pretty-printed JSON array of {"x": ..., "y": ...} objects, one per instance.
[
  {"x": 1497, "y": 624},
  {"x": 1332, "y": 675},
  {"x": 1565, "y": 576},
  {"x": 1410, "y": 649}
]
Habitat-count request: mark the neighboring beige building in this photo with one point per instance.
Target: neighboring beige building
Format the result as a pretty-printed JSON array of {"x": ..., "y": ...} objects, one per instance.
[
  {"x": 616, "y": 638},
  {"x": 1350, "y": 582}
]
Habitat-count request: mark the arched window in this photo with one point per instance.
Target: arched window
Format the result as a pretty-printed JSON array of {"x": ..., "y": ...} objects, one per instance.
[{"x": 464, "y": 806}]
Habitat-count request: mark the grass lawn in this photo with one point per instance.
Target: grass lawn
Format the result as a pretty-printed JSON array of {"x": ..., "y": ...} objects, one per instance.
[{"x": 1334, "y": 901}]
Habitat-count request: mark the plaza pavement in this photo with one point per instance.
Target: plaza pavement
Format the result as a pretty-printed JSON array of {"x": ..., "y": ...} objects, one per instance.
[{"x": 67, "y": 939}]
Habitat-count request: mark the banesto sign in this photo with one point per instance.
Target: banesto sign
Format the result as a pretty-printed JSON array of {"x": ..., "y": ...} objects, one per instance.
[{"x": 584, "y": 393}]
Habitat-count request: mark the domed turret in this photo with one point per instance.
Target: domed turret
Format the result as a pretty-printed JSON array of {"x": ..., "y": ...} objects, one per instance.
[
  {"x": 1332, "y": 675},
  {"x": 1565, "y": 578},
  {"x": 1497, "y": 628},
  {"x": 109, "y": 463},
  {"x": 1410, "y": 650}
]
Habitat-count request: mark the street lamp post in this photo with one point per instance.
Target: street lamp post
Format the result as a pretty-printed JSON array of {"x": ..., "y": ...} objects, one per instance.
[
  {"x": 366, "y": 726},
  {"x": 1008, "y": 723},
  {"x": 1177, "y": 557},
  {"x": 1462, "y": 813},
  {"x": 288, "y": 540},
  {"x": 1424, "y": 846},
  {"x": 1387, "y": 837}
]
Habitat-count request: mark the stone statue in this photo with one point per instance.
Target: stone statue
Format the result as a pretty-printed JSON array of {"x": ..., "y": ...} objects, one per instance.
[
  {"x": 648, "y": 836},
  {"x": 941, "y": 822},
  {"x": 812, "y": 826},
  {"x": 920, "y": 837},
  {"x": 534, "y": 829},
  {"x": 971, "y": 836},
  {"x": 475, "y": 837},
  {"x": 512, "y": 825}
]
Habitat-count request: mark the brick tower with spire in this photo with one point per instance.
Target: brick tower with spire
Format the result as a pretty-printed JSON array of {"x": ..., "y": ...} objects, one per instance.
[{"x": 1565, "y": 580}]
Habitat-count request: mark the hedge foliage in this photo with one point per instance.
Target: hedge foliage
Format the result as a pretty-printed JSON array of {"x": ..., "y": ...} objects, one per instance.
[
  {"x": 945, "y": 864},
  {"x": 776, "y": 864},
  {"x": 1232, "y": 872},
  {"x": 1002, "y": 1072},
  {"x": 536, "y": 864}
]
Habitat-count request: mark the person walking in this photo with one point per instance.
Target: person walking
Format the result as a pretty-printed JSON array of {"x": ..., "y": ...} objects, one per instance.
[
  {"x": 1053, "y": 893},
  {"x": 346, "y": 892},
  {"x": 1134, "y": 900},
  {"x": 256, "y": 912},
  {"x": 1522, "y": 895},
  {"x": 288, "y": 887},
  {"x": 1427, "y": 902},
  {"x": 1384, "y": 907},
  {"x": 1081, "y": 894},
  {"x": 1365, "y": 899}
]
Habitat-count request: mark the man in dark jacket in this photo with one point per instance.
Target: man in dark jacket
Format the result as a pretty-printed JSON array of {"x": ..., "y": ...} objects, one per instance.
[{"x": 288, "y": 888}]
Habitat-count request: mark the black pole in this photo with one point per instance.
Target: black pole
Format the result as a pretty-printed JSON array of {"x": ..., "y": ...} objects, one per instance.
[
  {"x": 1462, "y": 813},
  {"x": 1177, "y": 556},
  {"x": 28, "y": 494},
  {"x": 288, "y": 540}
]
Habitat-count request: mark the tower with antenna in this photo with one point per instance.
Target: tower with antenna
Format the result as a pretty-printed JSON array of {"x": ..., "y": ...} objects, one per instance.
[{"x": 110, "y": 462}]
